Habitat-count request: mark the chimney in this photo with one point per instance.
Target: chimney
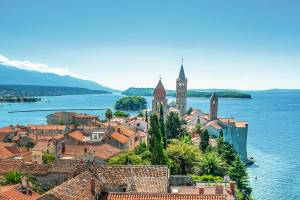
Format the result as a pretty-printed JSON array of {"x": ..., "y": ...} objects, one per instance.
[
  {"x": 201, "y": 190},
  {"x": 85, "y": 150},
  {"x": 219, "y": 189},
  {"x": 24, "y": 182},
  {"x": 119, "y": 130},
  {"x": 232, "y": 187},
  {"x": 63, "y": 147},
  {"x": 93, "y": 191}
]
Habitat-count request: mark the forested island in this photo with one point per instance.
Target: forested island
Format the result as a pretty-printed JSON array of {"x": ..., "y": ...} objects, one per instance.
[
  {"x": 131, "y": 103},
  {"x": 33, "y": 90},
  {"x": 191, "y": 93},
  {"x": 19, "y": 99}
]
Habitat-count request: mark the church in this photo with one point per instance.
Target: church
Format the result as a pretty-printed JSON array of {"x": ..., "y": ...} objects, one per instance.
[
  {"x": 234, "y": 132},
  {"x": 160, "y": 96}
]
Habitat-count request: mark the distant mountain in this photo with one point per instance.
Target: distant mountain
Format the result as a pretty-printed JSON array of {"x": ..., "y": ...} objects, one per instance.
[
  {"x": 191, "y": 93},
  {"x": 14, "y": 76}
]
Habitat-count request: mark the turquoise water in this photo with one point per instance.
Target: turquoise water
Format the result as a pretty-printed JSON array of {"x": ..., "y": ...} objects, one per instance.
[{"x": 273, "y": 139}]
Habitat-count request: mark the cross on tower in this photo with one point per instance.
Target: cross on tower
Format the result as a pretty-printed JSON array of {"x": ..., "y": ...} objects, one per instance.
[{"x": 181, "y": 61}]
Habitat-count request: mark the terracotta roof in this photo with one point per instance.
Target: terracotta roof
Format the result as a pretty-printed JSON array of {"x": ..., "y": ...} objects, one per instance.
[
  {"x": 12, "y": 193},
  {"x": 122, "y": 175},
  {"x": 77, "y": 135},
  {"x": 48, "y": 127},
  {"x": 146, "y": 179},
  {"x": 106, "y": 151},
  {"x": 213, "y": 124},
  {"x": 9, "y": 165},
  {"x": 7, "y": 129},
  {"x": 241, "y": 124},
  {"x": 125, "y": 130},
  {"x": 75, "y": 188},
  {"x": 119, "y": 137},
  {"x": 140, "y": 196},
  {"x": 159, "y": 92},
  {"x": 8, "y": 150},
  {"x": 40, "y": 146}
]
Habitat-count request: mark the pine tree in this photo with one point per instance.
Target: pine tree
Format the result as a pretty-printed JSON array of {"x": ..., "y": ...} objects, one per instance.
[
  {"x": 237, "y": 172},
  {"x": 204, "y": 140},
  {"x": 155, "y": 144},
  {"x": 162, "y": 127}
]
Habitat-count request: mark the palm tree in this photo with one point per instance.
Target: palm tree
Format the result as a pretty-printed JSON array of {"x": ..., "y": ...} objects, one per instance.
[
  {"x": 211, "y": 164},
  {"x": 11, "y": 178}
]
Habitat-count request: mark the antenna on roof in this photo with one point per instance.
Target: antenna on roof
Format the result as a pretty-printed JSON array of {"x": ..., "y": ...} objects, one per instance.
[{"x": 181, "y": 61}]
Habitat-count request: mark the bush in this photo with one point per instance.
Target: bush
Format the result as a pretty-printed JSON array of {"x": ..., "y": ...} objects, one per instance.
[
  {"x": 207, "y": 178},
  {"x": 48, "y": 158}
]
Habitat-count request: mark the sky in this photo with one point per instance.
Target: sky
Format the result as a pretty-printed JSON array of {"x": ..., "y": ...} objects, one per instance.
[{"x": 248, "y": 45}]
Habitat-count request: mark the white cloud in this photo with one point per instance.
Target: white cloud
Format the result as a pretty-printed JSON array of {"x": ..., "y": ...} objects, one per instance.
[{"x": 28, "y": 65}]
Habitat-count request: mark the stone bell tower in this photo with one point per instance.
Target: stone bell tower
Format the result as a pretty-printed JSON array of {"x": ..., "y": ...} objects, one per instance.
[
  {"x": 213, "y": 114},
  {"x": 181, "y": 92},
  {"x": 159, "y": 98}
]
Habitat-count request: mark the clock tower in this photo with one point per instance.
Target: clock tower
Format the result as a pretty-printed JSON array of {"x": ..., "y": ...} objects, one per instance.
[{"x": 181, "y": 92}]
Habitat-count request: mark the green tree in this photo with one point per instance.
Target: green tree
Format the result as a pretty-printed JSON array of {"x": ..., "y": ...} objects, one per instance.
[
  {"x": 162, "y": 126},
  {"x": 189, "y": 111},
  {"x": 11, "y": 178},
  {"x": 182, "y": 157},
  {"x": 108, "y": 114},
  {"x": 48, "y": 158},
  {"x": 211, "y": 164},
  {"x": 237, "y": 172},
  {"x": 120, "y": 113},
  {"x": 127, "y": 158},
  {"x": 204, "y": 140},
  {"x": 156, "y": 144},
  {"x": 226, "y": 151},
  {"x": 134, "y": 103},
  {"x": 174, "y": 126}
]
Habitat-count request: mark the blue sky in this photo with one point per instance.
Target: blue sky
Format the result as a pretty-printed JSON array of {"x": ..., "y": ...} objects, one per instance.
[{"x": 225, "y": 44}]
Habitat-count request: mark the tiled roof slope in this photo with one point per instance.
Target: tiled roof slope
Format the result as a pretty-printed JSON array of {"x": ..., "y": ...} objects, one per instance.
[
  {"x": 140, "y": 196},
  {"x": 77, "y": 188},
  {"x": 12, "y": 193},
  {"x": 9, "y": 165},
  {"x": 144, "y": 178},
  {"x": 121, "y": 175}
]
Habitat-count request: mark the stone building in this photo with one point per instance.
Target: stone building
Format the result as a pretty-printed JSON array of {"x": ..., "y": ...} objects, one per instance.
[
  {"x": 234, "y": 132},
  {"x": 213, "y": 114},
  {"x": 181, "y": 92},
  {"x": 159, "y": 98}
]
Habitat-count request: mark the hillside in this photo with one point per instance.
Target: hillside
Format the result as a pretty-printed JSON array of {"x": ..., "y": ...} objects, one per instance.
[
  {"x": 14, "y": 76},
  {"x": 191, "y": 93},
  {"x": 33, "y": 90}
]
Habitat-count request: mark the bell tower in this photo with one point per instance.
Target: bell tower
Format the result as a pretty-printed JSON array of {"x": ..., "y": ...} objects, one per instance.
[
  {"x": 213, "y": 114},
  {"x": 181, "y": 91},
  {"x": 159, "y": 98}
]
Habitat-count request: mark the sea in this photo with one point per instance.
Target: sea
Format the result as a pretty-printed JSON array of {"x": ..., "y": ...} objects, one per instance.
[{"x": 273, "y": 137}]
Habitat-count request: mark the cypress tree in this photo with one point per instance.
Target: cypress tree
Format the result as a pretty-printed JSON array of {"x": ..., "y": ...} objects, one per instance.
[
  {"x": 204, "y": 140},
  {"x": 162, "y": 127},
  {"x": 156, "y": 145}
]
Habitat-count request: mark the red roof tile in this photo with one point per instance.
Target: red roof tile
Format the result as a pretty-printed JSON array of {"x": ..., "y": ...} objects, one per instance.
[
  {"x": 119, "y": 137},
  {"x": 141, "y": 196},
  {"x": 12, "y": 193},
  {"x": 48, "y": 127},
  {"x": 106, "y": 151},
  {"x": 77, "y": 135}
]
